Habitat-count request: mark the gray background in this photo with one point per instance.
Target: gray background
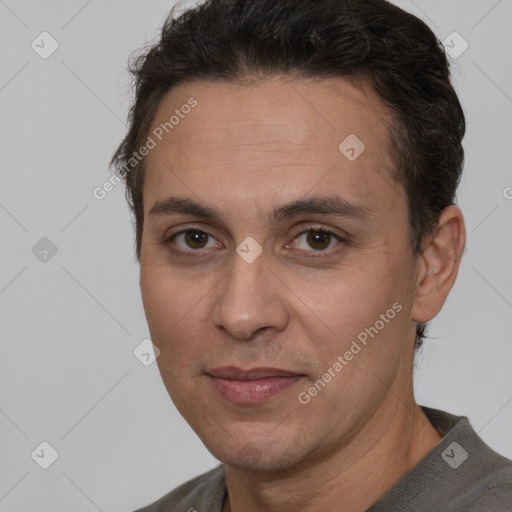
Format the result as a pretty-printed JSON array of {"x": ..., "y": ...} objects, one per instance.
[{"x": 69, "y": 325}]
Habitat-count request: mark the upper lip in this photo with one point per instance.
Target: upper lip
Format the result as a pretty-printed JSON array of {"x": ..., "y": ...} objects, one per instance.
[{"x": 234, "y": 373}]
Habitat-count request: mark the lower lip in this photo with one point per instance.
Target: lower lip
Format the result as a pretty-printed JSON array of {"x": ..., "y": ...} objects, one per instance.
[{"x": 253, "y": 391}]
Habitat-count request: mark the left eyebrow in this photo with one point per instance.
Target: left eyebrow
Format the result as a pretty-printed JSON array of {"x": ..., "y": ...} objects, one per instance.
[{"x": 332, "y": 205}]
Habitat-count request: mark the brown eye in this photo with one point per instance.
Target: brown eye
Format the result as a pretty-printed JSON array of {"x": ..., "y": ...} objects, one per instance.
[
  {"x": 191, "y": 240},
  {"x": 196, "y": 239},
  {"x": 319, "y": 240}
]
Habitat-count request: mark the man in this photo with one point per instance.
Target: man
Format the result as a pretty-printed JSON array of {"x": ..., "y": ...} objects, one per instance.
[{"x": 292, "y": 169}]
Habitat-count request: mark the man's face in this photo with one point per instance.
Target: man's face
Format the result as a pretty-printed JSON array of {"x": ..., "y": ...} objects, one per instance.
[{"x": 246, "y": 152}]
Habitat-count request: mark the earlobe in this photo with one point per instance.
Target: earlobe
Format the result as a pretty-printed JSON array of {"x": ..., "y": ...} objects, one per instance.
[{"x": 439, "y": 264}]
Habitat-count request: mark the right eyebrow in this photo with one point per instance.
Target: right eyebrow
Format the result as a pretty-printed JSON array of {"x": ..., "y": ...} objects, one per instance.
[{"x": 177, "y": 205}]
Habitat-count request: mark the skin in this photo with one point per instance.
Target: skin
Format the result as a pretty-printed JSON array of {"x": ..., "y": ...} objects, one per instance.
[{"x": 245, "y": 150}]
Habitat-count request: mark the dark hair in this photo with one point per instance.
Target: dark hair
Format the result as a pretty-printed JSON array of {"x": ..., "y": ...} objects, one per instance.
[{"x": 396, "y": 52}]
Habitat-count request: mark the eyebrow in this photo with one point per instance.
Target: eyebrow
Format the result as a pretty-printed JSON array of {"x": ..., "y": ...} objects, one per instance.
[{"x": 332, "y": 204}]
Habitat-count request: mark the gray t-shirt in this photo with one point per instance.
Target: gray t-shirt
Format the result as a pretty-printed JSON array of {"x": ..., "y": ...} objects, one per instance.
[{"x": 461, "y": 473}]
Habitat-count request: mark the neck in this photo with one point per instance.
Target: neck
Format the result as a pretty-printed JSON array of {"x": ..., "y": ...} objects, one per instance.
[{"x": 351, "y": 477}]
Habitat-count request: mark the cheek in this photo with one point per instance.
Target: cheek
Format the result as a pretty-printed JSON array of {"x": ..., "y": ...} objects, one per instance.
[
  {"x": 356, "y": 333},
  {"x": 168, "y": 303},
  {"x": 350, "y": 296},
  {"x": 171, "y": 312},
  {"x": 364, "y": 302},
  {"x": 178, "y": 310}
]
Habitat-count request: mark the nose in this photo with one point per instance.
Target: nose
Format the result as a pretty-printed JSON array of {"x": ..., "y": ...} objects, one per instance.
[{"x": 251, "y": 298}]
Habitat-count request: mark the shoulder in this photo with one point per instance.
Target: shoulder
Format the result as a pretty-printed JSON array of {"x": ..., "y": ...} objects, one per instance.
[
  {"x": 477, "y": 478},
  {"x": 487, "y": 479},
  {"x": 492, "y": 494},
  {"x": 460, "y": 474},
  {"x": 203, "y": 491}
]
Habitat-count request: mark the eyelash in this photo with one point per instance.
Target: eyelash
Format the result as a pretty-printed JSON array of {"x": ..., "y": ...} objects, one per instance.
[{"x": 316, "y": 255}]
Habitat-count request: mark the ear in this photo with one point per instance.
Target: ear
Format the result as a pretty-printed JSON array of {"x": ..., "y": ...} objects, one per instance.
[{"x": 438, "y": 264}]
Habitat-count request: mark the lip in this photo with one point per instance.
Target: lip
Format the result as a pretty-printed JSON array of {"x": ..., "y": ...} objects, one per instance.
[
  {"x": 254, "y": 385},
  {"x": 235, "y": 373}
]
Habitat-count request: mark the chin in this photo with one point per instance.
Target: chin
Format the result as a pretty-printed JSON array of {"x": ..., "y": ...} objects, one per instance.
[{"x": 257, "y": 457}]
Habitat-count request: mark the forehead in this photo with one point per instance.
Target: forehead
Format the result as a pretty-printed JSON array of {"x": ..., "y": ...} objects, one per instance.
[{"x": 269, "y": 134}]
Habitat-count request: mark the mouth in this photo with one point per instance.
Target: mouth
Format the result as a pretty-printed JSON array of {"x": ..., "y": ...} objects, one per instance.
[{"x": 255, "y": 385}]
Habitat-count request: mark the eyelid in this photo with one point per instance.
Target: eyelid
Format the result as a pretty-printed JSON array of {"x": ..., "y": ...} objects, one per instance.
[{"x": 316, "y": 227}]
